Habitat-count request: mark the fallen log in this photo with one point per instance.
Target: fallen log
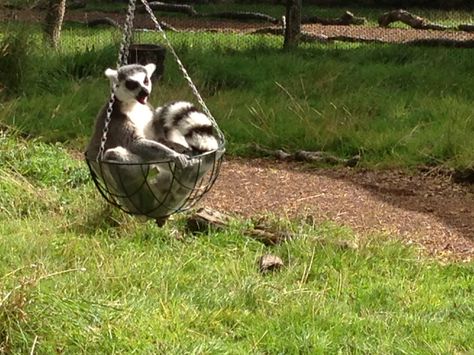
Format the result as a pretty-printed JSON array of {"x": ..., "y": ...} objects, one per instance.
[
  {"x": 441, "y": 42},
  {"x": 206, "y": 219},
  {"x": 428, "y": 42},
  {"x": 105, "y": 21},
  {"x": 243, "y": 16},
  {"x": 346, "y": 19},
  {"x": 466, "y": 27},
  {"x": 162, "y": 6},
  {"x": 309, "y": 156},
  {"x": 409, "y": 19}
]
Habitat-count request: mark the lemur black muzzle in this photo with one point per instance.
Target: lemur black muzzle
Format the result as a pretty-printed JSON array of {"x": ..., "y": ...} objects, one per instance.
[{"x": 143, "y": 96}]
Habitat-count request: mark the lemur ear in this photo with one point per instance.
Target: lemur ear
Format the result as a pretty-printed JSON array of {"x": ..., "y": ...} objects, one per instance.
[
  {"x": 150, "y": 68},
  {"x": 112, "y": 75}
]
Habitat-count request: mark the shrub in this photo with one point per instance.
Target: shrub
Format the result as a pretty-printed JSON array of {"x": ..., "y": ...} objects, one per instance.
[{"x": 16, "y": 47}]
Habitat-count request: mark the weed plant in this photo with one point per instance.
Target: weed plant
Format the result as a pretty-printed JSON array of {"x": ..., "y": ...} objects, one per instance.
[{"x": 16, "y": 54}]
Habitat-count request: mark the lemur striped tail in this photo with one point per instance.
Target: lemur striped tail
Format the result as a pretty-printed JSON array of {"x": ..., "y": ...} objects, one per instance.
[{"x": 183, "y": 124}]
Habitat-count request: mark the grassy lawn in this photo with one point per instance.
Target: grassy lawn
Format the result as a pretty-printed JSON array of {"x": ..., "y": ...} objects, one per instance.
[
  {"x": 396, "y": 105},
  {"x": 79, "y": 277}
]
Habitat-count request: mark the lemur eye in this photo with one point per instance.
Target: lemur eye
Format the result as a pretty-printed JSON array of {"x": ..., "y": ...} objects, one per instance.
[
  {"x": 131, "y": 84},
  {"x": 146, "y": 81}
]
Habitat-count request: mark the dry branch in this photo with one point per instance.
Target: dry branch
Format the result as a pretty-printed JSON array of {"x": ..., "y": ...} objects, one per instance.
[
  {"x": 308, "y": 156},
  {"x": 161, "y": 6},
  {"x": 347, "y": 18},
  {"x": 409, "y": 19},
  {"x": 189, "y": 10},
  {"x": 428, "y": 42},
  {"x": 206, "y": 219},
  {"x": 105, "y": 21},
  {"x": 244, "y": 16}
]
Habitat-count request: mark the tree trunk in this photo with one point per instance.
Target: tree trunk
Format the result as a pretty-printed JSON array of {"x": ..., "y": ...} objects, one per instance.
[
  {"x": 54, "y": 21},
  {"x": 293, "y": 24}
]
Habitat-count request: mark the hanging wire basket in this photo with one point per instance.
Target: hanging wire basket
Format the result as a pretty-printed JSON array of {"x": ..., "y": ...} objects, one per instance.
[{"x": 158, "y": 189}]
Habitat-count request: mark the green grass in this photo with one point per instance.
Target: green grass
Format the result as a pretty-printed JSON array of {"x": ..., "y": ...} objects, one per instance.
[
  {"x": 77, "y": 277},
  {"x": 391, "y": 103}
]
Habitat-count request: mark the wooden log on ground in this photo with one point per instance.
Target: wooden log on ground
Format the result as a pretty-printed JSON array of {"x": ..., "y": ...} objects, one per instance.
[
  {"x": 243, "y": 16},
  {"x": 168, "y": 7},
  {"x": 206, "y": 219},
  {"x": 309, "y": 156},
  {"x": 427, "y": 42},
  {"x": 466, "y": 27},
  {"x": 346, "y": 19},
  {"x": 105, "y": 21},
  {"x": 409, "y": 19},
  {"x": 441, "y": 42}
]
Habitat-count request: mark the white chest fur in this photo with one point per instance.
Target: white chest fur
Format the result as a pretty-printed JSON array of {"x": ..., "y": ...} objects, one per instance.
[{"x": 142, "y": 117}]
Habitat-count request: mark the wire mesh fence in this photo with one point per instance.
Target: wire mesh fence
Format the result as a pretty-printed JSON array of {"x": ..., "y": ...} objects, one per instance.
[
  {"x": 404, "y": 78},
  {"x": 420, "y": 26}
]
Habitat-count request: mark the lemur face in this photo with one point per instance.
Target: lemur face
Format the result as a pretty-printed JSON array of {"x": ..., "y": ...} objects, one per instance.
[{"x": 133, "y": 82}]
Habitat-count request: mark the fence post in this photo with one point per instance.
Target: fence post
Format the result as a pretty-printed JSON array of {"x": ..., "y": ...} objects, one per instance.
[
  {"x": 54, "y": 21},
  {"x": 293, "y": 24}
]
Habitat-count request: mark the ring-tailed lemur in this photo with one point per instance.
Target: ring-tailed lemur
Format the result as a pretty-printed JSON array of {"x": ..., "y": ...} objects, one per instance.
[
  {"x": 180, "y": 123},
  {"x": 130, "y": 131},
  {"x": 139, "y": 134}
]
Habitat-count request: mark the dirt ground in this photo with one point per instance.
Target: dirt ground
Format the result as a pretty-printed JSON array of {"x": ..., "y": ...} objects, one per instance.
[
  {"x": 426, "y": 209},
  {"x": 196, "y": 24}
]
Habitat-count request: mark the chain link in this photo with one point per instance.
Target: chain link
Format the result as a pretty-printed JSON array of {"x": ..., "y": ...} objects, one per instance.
[
  {"x": 184, "y": 71},
  {"x": 122, "y": 60}
]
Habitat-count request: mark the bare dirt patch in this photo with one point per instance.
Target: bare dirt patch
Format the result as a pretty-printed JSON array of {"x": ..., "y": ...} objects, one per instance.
[
  {"x": 209, "y": 24},
  {"x": 421, "y": 208}
]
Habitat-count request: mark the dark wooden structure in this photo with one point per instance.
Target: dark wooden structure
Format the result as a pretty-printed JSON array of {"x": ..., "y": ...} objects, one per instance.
[{"x": 149, "y": 53}]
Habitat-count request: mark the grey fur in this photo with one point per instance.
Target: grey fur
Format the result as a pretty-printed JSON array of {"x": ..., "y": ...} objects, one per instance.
[
  {"x": 143, "y": 139},
  {"x": 123, "y": 133},
  {"x": 128, "y": 70}
]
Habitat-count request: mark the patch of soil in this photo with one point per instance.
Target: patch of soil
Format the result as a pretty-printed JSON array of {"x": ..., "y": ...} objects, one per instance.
[
  {"x": 210, "y": 24},
  {"x": 426, "y": 209}
]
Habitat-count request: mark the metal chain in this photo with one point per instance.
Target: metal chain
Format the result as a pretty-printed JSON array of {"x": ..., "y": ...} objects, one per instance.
[
  {"x": 184, "y": 71},
  {"x": 122, "y": 60}
]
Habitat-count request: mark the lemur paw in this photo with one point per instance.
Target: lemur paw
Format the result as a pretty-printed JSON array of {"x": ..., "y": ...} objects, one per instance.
[
  {"x": 182, "y": 161},
  {"x": 117, "y": 154}
]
